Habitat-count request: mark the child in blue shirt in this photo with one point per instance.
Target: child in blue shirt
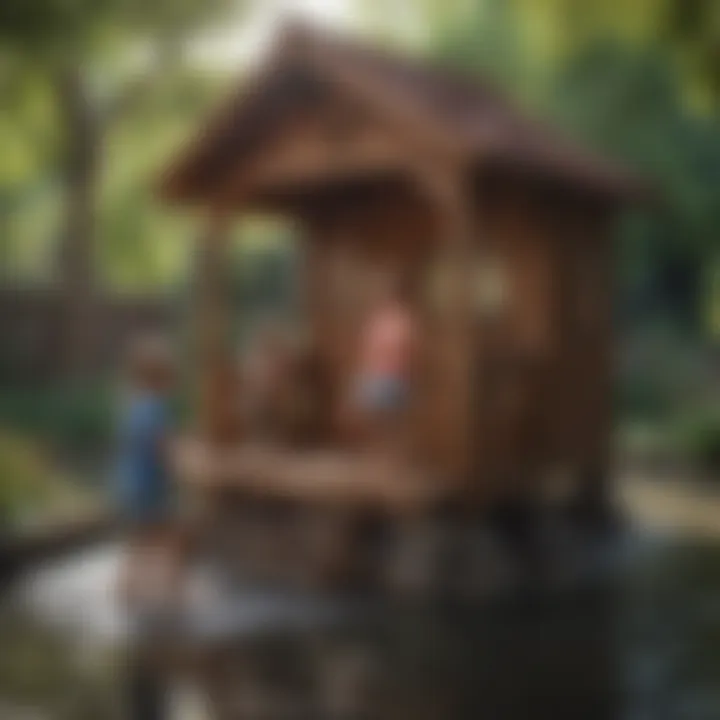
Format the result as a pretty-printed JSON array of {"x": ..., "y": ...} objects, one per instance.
[{"x": 142, "y": 492}]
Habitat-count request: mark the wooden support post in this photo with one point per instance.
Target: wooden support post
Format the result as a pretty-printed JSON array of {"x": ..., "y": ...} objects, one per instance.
[
  {"x": 218, "y": 397},
  {"x": 595, "y": 503},
  {"x": 448, "y": 189},
  {"x": 316, "y": 307}
]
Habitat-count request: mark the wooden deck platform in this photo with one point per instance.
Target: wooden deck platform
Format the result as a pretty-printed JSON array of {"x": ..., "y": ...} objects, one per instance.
[{"x": 327, "y": 478}]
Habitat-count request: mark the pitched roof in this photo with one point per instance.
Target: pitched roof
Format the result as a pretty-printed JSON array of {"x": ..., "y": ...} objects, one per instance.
[{"x": 462, "y": 114}]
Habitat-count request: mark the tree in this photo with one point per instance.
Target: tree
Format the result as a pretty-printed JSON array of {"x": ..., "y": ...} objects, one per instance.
[
  {"x": 70, "y": 43},
  {"x": 548, "y": 34}
]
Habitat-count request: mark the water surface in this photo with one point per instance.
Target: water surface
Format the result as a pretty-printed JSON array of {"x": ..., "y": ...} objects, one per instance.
[{"x": 642, "y": 643}]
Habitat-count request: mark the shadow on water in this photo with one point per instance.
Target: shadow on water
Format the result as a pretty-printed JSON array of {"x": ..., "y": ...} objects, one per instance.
[
  {"x": 525, "y": 660},
  {"x": 642, "y": 644}
]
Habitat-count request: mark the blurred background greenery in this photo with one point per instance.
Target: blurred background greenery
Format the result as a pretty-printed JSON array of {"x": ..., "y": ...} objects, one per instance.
[{"x": 97, "y": 94}]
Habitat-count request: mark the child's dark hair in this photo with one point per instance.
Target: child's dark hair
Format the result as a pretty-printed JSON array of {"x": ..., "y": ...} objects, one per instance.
[{"x": 150, "y": 363}]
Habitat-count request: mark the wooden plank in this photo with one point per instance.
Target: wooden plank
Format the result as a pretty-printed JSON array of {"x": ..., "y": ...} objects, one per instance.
[
  {"x": 217, "y": 386},
  {"x": 328, "y": 143},
  {"x": 447, "y": 189},
  {"x": 327, "y": 478}
]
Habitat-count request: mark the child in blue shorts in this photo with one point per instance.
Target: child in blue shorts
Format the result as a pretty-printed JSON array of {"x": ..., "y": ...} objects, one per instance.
[{"x": 142, "y": 491}]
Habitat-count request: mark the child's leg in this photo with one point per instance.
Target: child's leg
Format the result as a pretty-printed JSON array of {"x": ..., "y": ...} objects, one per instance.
[
  {"x": 131, "y": 578},
  {"x": 172, "y": 555}
]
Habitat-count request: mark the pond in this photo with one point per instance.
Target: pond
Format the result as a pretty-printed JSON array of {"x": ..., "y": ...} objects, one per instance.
[{"x": 644, "y": 643}]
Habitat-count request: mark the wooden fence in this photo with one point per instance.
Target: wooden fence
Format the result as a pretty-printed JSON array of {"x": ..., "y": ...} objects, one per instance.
[{"x": 32, "y": 330}]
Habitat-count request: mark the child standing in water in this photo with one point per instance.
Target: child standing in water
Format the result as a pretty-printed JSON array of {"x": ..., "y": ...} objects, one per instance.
[{"x": 143, "y": 494}]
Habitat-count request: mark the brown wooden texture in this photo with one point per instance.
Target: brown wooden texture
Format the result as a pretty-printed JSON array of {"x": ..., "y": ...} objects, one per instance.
[
  {"x": 349, "y": 251},
  {"x": 509, "y": 262},
  {"x": 325, "y": 478},
  {"x": 442, "y": 111},
  {"x": 336, "y": 140},
  {"x": 548, "y": 346},
  {"x": 217, "y": 385},
  {"x": 453, "y": 382}
]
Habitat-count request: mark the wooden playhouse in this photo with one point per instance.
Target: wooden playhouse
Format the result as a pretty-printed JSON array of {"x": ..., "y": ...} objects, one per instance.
[{"x": 500, "y": 225}]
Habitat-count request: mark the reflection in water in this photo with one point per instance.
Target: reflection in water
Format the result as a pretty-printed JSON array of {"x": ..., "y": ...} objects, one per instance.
[
  {"x": 670, "y": 633},
  {"x": 533, "y": 659},
  {"x": 645, "y": 644},
  {"x": 42, "y": 675}
]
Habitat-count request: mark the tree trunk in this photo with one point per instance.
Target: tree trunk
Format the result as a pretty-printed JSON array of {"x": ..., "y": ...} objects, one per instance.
[{"x": 75, "y": 263}]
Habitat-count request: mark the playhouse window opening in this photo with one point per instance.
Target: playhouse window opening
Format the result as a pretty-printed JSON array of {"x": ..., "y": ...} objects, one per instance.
[{"x": 265, "y": 275}]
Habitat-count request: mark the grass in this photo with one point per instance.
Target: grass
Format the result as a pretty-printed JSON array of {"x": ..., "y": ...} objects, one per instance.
[
  {"x": 40, "y": 426},
  {"x": 31, "y": 487}
]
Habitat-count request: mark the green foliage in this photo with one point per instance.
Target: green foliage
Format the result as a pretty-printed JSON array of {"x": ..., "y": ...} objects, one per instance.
[
  {"x": 126, "y": 57},
  {"x": 647, "y": 397},
  {"x": 139, "y": 244},
  {"x": 668, "y": 395},
  {"x": 30, "y": 147},
  {"x": 70, "y": 29},
  {"x": 28, "y": 484},
  {"x": 266, "y": 273},
  {"x": 76, "y": 420},
  {"x": 629, "y": 105},
  {"x": 142, "y": 245},
  {"x": 663, "y": 373},
  {"x": 699, "y": 441},
  {"x": 553, "y": 32}
]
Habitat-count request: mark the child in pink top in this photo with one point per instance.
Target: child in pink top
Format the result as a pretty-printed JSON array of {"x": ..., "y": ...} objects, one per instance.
[{"x": 386, "y": 353}]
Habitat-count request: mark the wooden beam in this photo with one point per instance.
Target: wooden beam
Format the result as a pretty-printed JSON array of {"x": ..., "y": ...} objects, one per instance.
[
  {"x": 218, "y": 394},
  {"x": 454, "y": 386}
]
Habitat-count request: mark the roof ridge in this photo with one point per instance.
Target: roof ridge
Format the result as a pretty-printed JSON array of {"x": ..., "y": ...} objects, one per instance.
[
  {"x": 452, "y": 90},
  {"x": 301, "y": 34},
  {"x": 463, "y": 111}
]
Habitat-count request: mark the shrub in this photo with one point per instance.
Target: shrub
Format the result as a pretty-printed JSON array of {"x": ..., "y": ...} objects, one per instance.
[
  {"x": 643, "y": 397},
  {"x": 72, "y": 419},
  {"x": 28, "y": 485},
  {"x": 663, "y": 374},
  {"x": 700, "y": 442}
]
